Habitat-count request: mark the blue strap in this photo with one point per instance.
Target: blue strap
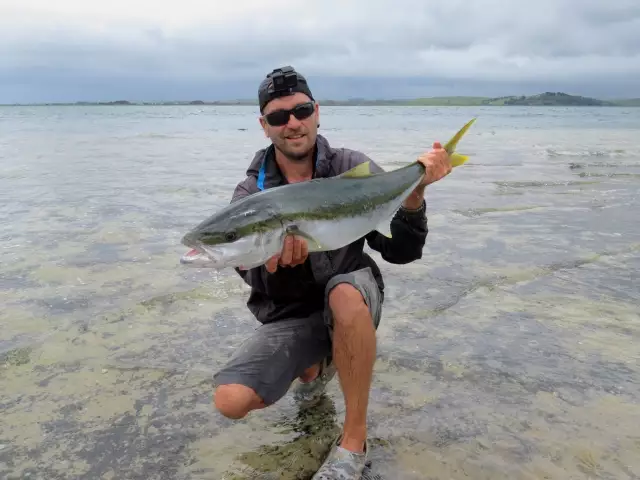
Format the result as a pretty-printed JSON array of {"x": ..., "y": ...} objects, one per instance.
[{"x": 261, "y": 175}]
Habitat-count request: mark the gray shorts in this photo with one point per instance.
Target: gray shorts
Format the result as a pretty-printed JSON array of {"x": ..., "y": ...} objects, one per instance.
[{"x": 277, "y": 353}]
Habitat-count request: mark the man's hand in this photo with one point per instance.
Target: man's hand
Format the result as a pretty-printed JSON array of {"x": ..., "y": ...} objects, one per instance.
[
  {"x": 294, "y": 252},
  {"x": 437, "y": 166},
  {"x": 436, "y": 163}
]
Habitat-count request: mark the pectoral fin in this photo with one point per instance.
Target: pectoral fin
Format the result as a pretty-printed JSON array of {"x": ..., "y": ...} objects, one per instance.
[
  {"x": 384, "y": 227},
  {"x": 313, "y": 243}
]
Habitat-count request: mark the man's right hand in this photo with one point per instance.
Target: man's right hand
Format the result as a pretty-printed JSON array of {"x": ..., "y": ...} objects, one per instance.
[{"x": 294, "y": 252}]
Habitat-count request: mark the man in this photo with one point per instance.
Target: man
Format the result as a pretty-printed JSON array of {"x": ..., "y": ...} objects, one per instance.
[{"x": 319, "y": 311}]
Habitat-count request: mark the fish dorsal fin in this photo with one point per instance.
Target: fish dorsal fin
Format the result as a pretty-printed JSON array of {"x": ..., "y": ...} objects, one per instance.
[{"x": 359, "y": 171}]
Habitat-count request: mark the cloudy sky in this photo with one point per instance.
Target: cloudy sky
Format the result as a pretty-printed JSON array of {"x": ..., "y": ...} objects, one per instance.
[{"x": 69, "y": 50}]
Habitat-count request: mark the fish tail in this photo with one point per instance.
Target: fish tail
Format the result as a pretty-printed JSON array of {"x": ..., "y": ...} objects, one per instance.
[{"x": 456, "y": 158}]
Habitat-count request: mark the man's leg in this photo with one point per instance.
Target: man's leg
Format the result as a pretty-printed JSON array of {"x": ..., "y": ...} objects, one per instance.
[
  {"x": 235, "y": 400},
  {"x": 354, "y": 353},
  {"x": 353, "y": 312},
  {"x": 263, "y": 368}
]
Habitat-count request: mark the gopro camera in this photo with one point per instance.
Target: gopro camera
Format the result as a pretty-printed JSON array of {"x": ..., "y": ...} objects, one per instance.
[{"x": 283, "y": 80}]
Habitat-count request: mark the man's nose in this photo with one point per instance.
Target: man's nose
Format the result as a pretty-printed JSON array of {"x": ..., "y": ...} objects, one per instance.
[{"x": 293, "y": 122}]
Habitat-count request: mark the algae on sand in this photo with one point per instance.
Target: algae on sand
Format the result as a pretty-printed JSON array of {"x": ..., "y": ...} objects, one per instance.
[{"x": 16, "y": 357}]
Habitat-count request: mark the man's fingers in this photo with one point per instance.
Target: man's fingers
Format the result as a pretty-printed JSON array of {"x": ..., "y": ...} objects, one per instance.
[
  {"x": 272, "y": 264},
  {"x": 294, "y": 252},
  {"x": 287, "y": 251},
  {"x": 437, "y": 145},
  {"x": 297, "y": 250}
]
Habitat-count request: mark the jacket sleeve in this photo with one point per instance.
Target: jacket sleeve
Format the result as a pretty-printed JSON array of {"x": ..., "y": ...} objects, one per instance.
[
  {"x": 408, "y": 227},
  {"x": 408, "y": 236},
  {"x": 243, "y": 189},
  {"x": 408, "y": 233}
]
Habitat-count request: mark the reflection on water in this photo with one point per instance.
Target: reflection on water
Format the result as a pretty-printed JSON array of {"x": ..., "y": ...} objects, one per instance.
[{"x": 510, "y": 351}]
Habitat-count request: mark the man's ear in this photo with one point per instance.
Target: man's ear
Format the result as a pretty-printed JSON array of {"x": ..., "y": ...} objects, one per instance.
[{"x": 263, "y": 124}]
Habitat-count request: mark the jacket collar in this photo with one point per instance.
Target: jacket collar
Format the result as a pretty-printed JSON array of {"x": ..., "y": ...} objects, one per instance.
[{"x": 267, "y": 172}]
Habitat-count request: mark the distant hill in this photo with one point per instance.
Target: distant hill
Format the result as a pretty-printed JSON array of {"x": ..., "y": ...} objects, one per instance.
[
  {"x": 427, "y": 101},
  {"x": 629, "y": 102},
  {"x": 542, "y": 99},
  {"x": 548, "y": 98},
  {"x": 117, "y": 102}
]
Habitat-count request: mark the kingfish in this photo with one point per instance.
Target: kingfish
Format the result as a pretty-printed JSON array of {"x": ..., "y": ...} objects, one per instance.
[{"x": 329, "y": 213}]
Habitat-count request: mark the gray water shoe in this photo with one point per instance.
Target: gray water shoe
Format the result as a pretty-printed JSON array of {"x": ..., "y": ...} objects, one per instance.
[
  {"x": 308, "y": 393},
  {"x": 341, "y": 464}
]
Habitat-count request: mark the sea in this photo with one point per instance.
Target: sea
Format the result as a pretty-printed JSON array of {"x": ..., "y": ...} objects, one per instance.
[{"x": 510, "y": 350}]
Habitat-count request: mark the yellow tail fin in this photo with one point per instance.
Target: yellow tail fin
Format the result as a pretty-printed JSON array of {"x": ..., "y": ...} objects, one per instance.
[{"x": 456, "y": 158}]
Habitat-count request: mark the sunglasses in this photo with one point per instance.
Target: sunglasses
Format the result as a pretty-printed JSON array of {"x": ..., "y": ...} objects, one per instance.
[{"x": 279, "y": 118}]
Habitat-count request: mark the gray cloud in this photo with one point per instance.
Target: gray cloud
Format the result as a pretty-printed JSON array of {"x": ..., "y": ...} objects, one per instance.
[{"x": 348, "y": 49}]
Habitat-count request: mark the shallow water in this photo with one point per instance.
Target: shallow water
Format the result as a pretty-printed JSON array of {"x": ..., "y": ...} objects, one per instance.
[{"x": 509, "y": 351}]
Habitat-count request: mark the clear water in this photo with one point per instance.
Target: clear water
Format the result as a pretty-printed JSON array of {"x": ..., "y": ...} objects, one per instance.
[{"x": 510, "y": 351}]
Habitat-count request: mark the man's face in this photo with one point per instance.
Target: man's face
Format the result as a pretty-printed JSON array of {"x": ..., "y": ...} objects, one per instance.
[{"x": 295, "y": 139}]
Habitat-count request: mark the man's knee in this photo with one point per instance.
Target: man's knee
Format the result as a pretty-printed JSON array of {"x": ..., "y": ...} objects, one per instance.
[
  {"x": 235, "y": 401},
  {"x": 347, "y": 304}
]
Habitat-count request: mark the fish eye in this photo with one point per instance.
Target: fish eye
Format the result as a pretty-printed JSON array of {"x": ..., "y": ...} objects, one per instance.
[{"x": 230, "y": 236}]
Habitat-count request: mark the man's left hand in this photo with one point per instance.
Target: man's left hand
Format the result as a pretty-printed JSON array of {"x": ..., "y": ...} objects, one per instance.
[
  {"x": 294, "y": 252},
  {"x": 436, "y": 163}
]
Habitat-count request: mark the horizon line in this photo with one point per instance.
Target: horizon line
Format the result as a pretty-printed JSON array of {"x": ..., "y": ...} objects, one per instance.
[{"x": 477, "y": 99}]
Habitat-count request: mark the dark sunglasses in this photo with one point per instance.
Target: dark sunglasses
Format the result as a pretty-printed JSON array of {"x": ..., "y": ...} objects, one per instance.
[{"x": 281, "y": 117}]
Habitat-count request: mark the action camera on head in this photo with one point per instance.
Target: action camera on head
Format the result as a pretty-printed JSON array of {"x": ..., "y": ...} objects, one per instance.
[{"x": 283, "y": 80}]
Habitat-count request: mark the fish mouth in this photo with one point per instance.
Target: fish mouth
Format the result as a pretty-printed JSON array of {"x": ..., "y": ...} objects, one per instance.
[{"x": 198, "y": 257}]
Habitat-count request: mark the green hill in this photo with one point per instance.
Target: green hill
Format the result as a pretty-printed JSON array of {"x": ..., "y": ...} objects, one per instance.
[
  {"x": 628, "y": 102},
  {"x": 430, "y": 101},
  {"x": 542, "y": 99},
  {"x": 548, "y": 98}
]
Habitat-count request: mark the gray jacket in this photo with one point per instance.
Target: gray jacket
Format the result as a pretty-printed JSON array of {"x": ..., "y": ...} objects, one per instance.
[{"x": 299, "y": 291}]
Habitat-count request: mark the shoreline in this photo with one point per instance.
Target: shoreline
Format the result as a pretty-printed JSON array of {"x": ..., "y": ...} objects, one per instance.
[{"x": 547, "y": 99}]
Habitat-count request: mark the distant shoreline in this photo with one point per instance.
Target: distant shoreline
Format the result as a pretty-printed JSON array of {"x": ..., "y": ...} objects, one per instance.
[{"x": 551, "y": 99}]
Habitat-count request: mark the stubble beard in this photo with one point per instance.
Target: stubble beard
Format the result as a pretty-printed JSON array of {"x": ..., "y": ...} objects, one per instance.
[{"x": 297, "y": 157}]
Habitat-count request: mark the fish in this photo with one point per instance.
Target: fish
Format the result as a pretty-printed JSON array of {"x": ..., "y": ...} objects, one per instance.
[{"x": 329, "y": 213}]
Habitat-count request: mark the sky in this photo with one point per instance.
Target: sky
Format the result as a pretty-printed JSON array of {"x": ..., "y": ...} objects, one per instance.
[{"x": 144, "y": 50}]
